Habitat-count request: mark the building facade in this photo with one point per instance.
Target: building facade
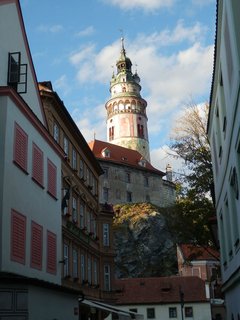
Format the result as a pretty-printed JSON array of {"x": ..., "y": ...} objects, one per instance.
[
  {"x": 165, "y": 298},
  {"x": 126, "y": 109},
  {"x": 203, "y": 262},
  {"x": 87, "y": 239},
  {"x": 30, "y": 176},
  {"x": 224, "y": 135},
  {"x": 129, "y": 178}
]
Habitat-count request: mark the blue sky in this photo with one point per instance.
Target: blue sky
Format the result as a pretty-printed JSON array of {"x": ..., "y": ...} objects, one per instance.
[{"x": 75, "y": 45}]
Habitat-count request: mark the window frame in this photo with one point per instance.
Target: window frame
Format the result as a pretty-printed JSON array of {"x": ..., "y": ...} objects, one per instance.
[
  {"x": 172, "y": 311},
  {"x": 107, "y": 277},
  {"x": 106, "y": 235},
  {"x": 151, "y": 313},
  {"x": 188, "y": 312}
]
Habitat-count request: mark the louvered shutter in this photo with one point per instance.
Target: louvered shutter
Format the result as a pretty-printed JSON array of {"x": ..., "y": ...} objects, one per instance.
[
  {"x": 51, "y": 252},
  {"x": 52, "y": 179},
  {"x": 37, "y": 164},
  {"x": 20, "y": 147},
  {"x": 36, "y": 246},
  {"x": 18, "y": 237}
]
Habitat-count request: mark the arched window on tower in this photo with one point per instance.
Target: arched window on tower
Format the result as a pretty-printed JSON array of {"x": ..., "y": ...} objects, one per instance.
[
  {"x": 140, "y": 131},
  {"x": 111, "y": 133}
]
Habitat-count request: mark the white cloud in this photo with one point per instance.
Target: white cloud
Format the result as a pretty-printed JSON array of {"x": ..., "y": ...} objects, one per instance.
[
  {"x": 62, "y": 84},
  {"x": 52, "y": 29},
  {"x": 161, "y": 157},
  {"x": 90, "y": 122},
  {"x": 148, "y": 5},
  {"x": 86, "y": 32},
  {"x": 179, "y": 34}
]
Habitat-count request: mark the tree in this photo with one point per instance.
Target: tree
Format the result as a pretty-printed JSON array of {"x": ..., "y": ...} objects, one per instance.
[
  {"x": 189, "y": 218},
  {"x": 190, "y": 142}
]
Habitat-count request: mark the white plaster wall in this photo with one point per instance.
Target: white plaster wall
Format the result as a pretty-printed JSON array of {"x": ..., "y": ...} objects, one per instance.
[
  {"x": 201, "y": 311},
  {"x": 11, "y": 40},
  {"x": 23, "y": 195}
]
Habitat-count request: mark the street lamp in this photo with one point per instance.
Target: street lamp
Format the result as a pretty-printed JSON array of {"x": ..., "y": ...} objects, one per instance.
[{"x": 181, "y": 295}]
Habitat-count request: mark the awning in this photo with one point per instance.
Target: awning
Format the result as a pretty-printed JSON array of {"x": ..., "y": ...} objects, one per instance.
[{"x": 111, "y": 309}]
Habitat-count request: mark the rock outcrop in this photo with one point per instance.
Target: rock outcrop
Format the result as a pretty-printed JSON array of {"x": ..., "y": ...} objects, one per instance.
[{"x": 143, "y": 245}]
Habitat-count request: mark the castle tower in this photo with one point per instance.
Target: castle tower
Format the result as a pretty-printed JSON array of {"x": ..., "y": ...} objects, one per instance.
[{"x": 126, "y": 109}]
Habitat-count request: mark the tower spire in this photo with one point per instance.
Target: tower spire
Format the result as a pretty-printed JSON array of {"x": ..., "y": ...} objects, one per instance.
[{"x": 123, "y": 51}]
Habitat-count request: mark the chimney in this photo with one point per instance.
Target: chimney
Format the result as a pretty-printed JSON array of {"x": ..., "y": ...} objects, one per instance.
[{"x": 169, "y": 172}]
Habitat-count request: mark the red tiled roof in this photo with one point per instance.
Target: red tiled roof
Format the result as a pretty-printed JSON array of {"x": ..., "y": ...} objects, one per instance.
[
  {"x": 120, "y": 155},
  {"x": 191, "y": 252},
  {"x": 160, "y": 290}
]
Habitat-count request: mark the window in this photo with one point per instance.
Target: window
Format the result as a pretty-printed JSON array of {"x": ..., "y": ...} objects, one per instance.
[
  {"x": 150, "y": 313},
  {"x": 17, "y": 72},
  {"x": 65, "y": 200},
  {"x": 20, "y": 147},
  {"x": 129, "y": 196},
  {"x": 36, "y": 246},
  {"x": 81, "y": 169},
  {"x": 106, "y": 234},
  {"x": 105, "y": 194},
  {"x": 111, "y": 133},
  {"x": 75, "y": 263},
  {"x": 106, "y": 153},
  {"x": 133, "y": 310},
  {"x": 88, "y": 216},
  {"x": 37, "y": 164},
  {"x": 87, "y": 176},
  {"x": 147, "y": 198},
  {"x": 82, "y": 209},
  {"x": 89, "y": 266},
  {"x": 74, "y": 159},
  {"x": 74, "y": 209},
  {"x": 140, "y": 131},
  {"x": 118, "y": 194},
  {"x": 56, "y": 132},
  {"x": 172, "y": 312},
  {"x": 18, "y": 237},
  {"x": 107, "y": 284},
  {"x": 66, "y": 145},
  {"x": 66, "y": 260},
  {"x": 128, "y": 177},
  {"x": 146, "y": 182},
  {"x": 83, "y": 267},
  {"x": 51, "y": 252},
  {"x": 188, "y": 312},
  {"x": 52, "y": 179},
  {"x": 95, "y": 272},
  {"x": 105, "y": 173}
]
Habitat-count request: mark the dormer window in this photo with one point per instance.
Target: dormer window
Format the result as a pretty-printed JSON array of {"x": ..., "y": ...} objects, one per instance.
[
  {"x": 142, "y": 162},
  {"x": 106, "y": 153},
  {"x": 17, "y": 72}
]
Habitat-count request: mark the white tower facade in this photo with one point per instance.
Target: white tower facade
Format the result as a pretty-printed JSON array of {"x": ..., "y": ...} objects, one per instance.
[{"x": 126, "y": 109}]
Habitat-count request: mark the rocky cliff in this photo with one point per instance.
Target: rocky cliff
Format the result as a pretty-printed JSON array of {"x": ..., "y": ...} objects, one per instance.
[{"x": 143, "y": 245}]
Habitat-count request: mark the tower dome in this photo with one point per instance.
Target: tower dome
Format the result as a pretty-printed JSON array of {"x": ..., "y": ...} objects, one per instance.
[{"x": 126, "y": 109}]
